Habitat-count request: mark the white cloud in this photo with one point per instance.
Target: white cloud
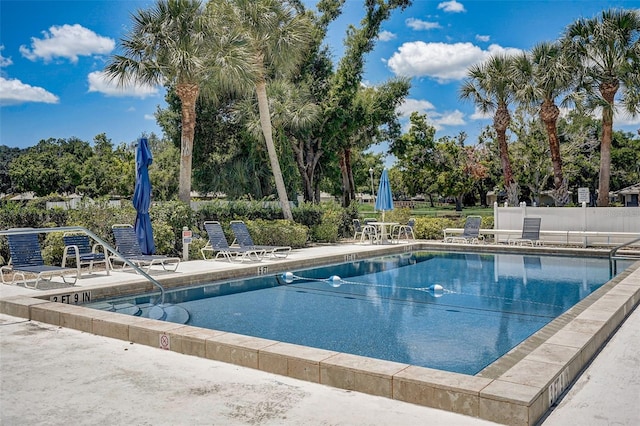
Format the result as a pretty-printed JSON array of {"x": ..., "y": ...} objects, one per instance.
[
  {"x": 479, "y": 115},
  {"x": 442, "y": 61},
  {"x": 98, "y": 82},
  {"x": 451, "y": 6},
  {"x": 450, "y": 118},
  {"x": 483, "y": 38},
  {"x": 387, "y": 36},
  {"x": 623, "y": 118},
  {"x": 4, "y": 62},
  {"x": 13, "y": 92},
  {"x": 150, "y": 117},
  {"x": 420, "y": 25},
  {"x": 67, "y": 41},
  {"x": 414, "y": 105}
]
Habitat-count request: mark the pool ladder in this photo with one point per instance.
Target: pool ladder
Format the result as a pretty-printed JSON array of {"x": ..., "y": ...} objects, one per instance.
[{"x": 614, "y": 256}]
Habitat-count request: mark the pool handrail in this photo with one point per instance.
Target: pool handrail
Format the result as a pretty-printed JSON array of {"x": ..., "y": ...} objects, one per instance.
[
  {"x": 19, "y": 231},
  {"x": 613, "y": 256}
]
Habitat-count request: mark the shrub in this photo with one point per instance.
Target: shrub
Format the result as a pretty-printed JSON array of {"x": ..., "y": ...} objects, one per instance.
[
  {"x": 278, "y": 233},
  {"x": 327, "y": 230},
  {"x": 431, "y": 228}
]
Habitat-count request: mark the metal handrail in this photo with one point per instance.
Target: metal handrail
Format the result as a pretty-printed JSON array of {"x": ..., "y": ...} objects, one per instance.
[
  {"x": 613, "y": 265},
  {"x": 20, "y": 231}
]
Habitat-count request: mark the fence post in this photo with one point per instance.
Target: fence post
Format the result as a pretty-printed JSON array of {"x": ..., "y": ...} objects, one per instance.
[
  {"x": 495, "y": 215},
  {"x": 584, "y": 223}
]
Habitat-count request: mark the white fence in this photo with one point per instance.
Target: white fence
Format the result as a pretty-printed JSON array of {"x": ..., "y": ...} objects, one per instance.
[{"x": 574, "y": 225}]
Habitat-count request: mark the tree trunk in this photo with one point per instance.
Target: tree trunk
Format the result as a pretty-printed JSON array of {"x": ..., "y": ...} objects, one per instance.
[
  {"x": 346, "y": 191},
  {"x": 265, "y": 123},
  {"x": 608, "y": 91},
  {"x": 188, "y": 94},
  {"x": 307, "y": 159},
  {"x": 549, "y": 114},
  {"x": 501, "y": 122}
]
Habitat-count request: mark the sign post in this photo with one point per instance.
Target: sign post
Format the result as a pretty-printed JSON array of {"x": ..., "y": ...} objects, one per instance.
[
  {"x": 583, "y": 195},
  {"x": 187, "y": 235}
]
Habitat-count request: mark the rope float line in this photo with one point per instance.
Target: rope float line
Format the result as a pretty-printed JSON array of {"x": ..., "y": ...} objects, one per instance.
[
  {"x": 335, "y": 281},
  {"x": 436, "y": 290}
]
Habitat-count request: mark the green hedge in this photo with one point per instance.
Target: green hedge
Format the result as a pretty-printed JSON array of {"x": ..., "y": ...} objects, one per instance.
[{"x": 321, "y": 223}]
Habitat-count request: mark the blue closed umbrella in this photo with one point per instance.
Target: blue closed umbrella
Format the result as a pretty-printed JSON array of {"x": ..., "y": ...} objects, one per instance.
[
  {"x": 142, "y": 198},
  {"x": 384, "y": 201}
]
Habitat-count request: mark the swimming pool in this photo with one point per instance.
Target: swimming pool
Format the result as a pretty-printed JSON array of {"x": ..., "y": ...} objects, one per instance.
[{"x": 389, "y": 308}]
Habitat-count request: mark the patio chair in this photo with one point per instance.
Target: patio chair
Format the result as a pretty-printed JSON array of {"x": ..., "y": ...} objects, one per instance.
[
  {"x": 128, "y": 246},
  {"x": 78, "y": 247},
  {"x": 399, "y": 231},
  {"x": 364, "y": 231},
  {"x": 530, "y": 232},
  {"x": 470, "y": 233},
  {"x": 26, "y": 258},
  {"x": 244, "y": 240},
  {"x": 218, "y": 243}
]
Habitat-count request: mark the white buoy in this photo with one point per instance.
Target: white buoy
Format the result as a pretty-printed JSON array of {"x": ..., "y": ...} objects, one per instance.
[
  {"x": 288, "y": 277},
  {"x": 436, "y": 290},
  {"x": 335, "y": 281}
]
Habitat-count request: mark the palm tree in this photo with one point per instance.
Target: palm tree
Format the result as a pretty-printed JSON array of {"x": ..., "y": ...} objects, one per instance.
[
  {"x": 276, "y": 39},
  {"x": 490, "y": 86},
  {"x": 168, "y": 45},
  {"x": 608, "y": 50},
  {"x": 541, "y": 76}
]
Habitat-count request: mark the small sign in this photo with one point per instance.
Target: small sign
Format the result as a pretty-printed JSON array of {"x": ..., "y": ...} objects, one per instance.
[
  {"x": 187, "y": 234},
  {"x": 583, "y": 195},
  {"x": 165, "y": 343},
  {"x": 75, "y": 298}
]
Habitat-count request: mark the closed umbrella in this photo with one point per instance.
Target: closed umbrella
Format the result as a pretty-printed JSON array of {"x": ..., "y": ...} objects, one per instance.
[
  {"x": 384, "y": 201},
  {"x": 142, "y": 198}
]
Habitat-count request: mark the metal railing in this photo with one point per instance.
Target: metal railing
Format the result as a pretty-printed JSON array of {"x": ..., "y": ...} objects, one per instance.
[
  {"x": 20, "y": 231},
  {"x": 614, "y": 257}
]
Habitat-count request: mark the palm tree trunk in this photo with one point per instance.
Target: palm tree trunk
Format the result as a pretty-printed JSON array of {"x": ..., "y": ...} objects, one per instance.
[
  {"x": 501, "y": 122},
  {"x": 265, "y": 123},
  {"x": 188, "y": 94},
  {"x": 549, "y": 114},
  {"x": 608, "y": 91}
]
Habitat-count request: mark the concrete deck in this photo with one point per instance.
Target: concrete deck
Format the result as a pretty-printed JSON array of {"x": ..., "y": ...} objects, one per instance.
[{"x": 64, "y": 366}]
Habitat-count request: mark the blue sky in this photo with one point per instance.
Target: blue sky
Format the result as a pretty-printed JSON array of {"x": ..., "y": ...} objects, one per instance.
[{"x": 52, "y": 53}]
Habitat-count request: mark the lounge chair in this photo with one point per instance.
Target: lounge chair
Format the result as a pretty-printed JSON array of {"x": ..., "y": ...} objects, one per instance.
[
  {"x": 79, "y": 248},
  {"x": 364, "y": 231},
  {"x": 530, "y": 232},
  {"x": 218, "y": 243},
  {"x": 470, "y": 233},
  {"x": 244, "y": 240},
  {"x": 128, "y": 246},
  {"x": 26, "y": 258}
]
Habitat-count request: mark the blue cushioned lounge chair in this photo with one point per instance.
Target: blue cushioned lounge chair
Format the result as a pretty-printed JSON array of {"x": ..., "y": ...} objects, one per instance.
[
  {"x": 530, "y": 232},
  {"x": 470, "y": 233},
  {"x": 244, "y": 240},
  {"x": 128, "y": 246},
  {"x": 218, "y": 243},
  {"x": 26, "y": 258}
]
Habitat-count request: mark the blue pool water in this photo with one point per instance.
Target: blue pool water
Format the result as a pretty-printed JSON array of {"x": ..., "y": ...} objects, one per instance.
[{"x": 386, "y": 307}]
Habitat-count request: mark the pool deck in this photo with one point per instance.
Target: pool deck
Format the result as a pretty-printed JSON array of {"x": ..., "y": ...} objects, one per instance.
[{"x": 65, "y": 364}]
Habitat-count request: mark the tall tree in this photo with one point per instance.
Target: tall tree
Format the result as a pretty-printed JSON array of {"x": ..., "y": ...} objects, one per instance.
[
  {"x": 276, "y": 38},
  {"x": 170, "y": 44},
  {"x": 346, "y": 82},
  {"x": 491, "y": 88},
  {"x": 608, "y": 50},
  {"x": 542, "y": 75},
  {"x": 415, "y": 151}
]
